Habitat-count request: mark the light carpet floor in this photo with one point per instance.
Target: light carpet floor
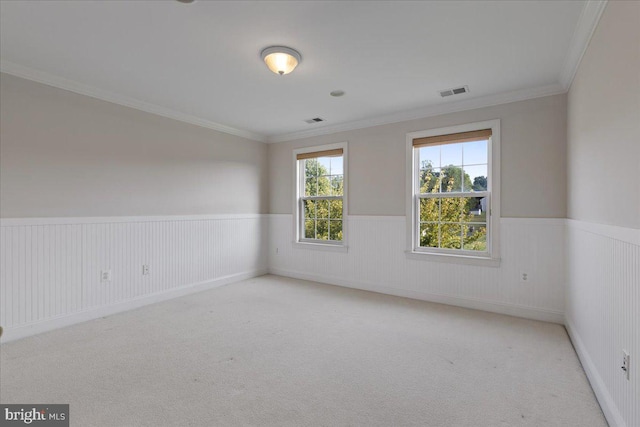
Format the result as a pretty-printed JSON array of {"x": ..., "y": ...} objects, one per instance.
[{"x": 273, "y": 351}]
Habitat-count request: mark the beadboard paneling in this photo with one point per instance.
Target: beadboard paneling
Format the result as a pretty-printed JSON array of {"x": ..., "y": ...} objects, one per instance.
[
  {"x": 603, "y": 313},
  {"x": 376, "y": 261},
  {"x": 41, "y": 273},
  {"x": 51, "y": 267}
]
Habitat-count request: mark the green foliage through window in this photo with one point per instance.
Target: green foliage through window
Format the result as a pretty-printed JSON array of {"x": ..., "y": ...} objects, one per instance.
[
  {"x": 459, "y": 221},
  {"x": 322, "y": 199}
]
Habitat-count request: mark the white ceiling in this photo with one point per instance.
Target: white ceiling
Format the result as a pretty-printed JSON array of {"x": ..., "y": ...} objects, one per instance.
[{"x": 200, "y": 62}]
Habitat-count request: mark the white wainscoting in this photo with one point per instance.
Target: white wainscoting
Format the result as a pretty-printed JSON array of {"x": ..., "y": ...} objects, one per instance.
[
  {"x": 603, "y": 313},
  {"x": 50, "y": 268},
  {"x": 376, "y": 261}
]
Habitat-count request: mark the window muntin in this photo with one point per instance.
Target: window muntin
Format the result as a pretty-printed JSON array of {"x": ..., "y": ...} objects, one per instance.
[
  {"x": 320, "y": 199},
  {"x": 452, "y": 193}
]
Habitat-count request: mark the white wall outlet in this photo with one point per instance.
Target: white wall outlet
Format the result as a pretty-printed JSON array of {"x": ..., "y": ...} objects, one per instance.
[
  {"x": 145, "y": 270},
  {"x": 524, "y": 277},
  {"x": 105, "y": 276},
  {"x": 625, "y": 364}
]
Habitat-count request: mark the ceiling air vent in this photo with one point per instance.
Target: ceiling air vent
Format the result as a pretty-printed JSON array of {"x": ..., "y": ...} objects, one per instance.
[
  {"x": 454, "y": 91},
  {"x": 314, "y": 120}
]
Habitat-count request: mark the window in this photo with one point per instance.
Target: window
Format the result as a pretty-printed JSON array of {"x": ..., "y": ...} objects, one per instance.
[
  {"x": 321, "y": 195},
  {"x": 453, "y": 202}
]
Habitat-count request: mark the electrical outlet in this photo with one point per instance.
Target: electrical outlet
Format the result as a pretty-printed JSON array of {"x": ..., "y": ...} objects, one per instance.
[
  {"x": 105, "y": 276},
  {"x": 625, "y": 364},
  {"x": 145, "y": 270},
  {"x": 524, "y": 277}
]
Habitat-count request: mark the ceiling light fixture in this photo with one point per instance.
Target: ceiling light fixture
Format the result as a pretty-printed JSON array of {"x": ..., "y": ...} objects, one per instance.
[
  {"x": 337, "y": 93},
  {"x": 280, "y": 59}
]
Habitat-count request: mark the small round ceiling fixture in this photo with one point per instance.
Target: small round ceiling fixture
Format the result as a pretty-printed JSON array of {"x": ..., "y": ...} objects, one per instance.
[
  {"x": 337, "y": 93},
  {"x": 281, "y": 59},
  {"x": 186, "y": 1}
]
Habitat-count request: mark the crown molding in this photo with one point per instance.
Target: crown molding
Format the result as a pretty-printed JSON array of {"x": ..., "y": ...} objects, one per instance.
[
  {"x": 420, "y": 113},
  {"x": 582, "y": 34},
  {"x": 115, "y": 98}
]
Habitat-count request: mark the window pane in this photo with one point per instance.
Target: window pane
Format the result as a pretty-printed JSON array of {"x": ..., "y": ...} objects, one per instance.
[
  {"x": 335, "y": 230},
  {"x": 452, "y": 179},
  {"x": 450, "y": 236},
  {"x": 309, "y": 229},
  {"x": 310, "y": 187},
  {"x": 428, "y": 235},
  {"x": 336, "y": 166},
  {"x": 337, "y": 185},
  {"x": 322, "y": 180},
  {"x": 450, "y": 154},
  {"x": 309, "y": 209},
  {"x": 322, "y": 229},
  {"x": 335, "y": 209},
  {"x": 477, "y": 178},
  {"x": 322, "y": 208},
  {"x": 324, "y": 165},
  {"x": 475, "y": 152},
  {"x": 475, "y": 210},
  {"x": 429, "y": 180},
  {"x": 452, "y": 208},
  {"x": 429, "y": 156},
  {"x": 310, "y": 168},
  {"x": 475, "y": 237},
  {"x": 453, "y": 223},
  {"x": 324, "y": 186},
  {"x": 429, "y": 210}
]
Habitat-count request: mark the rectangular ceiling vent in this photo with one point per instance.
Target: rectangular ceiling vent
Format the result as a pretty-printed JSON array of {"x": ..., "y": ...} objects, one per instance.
[
  {"x": 454, "y": 91},
  {"x": 314, "y": 120}
]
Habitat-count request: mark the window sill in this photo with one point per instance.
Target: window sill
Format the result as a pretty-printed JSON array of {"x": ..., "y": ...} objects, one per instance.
[
  {"x": 320, "y": 247},
  {"x": 454, "y": 259}
]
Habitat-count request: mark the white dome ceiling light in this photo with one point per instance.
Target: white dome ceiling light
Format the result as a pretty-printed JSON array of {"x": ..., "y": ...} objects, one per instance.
[{"x": 281, "y": 59}]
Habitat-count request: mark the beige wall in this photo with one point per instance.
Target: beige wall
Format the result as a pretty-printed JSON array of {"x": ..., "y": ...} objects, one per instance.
[
  {"x": 603, "y": 175},
  {"x": 533, "y": 160},
  {"x": 604, "y": 123},
  {"x": 68, "y": 155}
]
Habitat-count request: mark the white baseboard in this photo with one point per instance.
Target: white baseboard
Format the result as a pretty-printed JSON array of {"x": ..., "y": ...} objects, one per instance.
[
  {"x": 23, "y": 331},
  {"x": 476, "y": 304},
  {"x": 609, "y": 408}
]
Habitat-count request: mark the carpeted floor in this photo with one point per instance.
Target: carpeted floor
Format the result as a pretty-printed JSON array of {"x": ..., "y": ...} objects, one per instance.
[{"x": 273, "y": 351}]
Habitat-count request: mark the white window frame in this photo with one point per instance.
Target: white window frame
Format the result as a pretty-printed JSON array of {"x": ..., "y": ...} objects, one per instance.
[
  {"x": 298, "y": 187},
  {"x": 414, "y": 251}
]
